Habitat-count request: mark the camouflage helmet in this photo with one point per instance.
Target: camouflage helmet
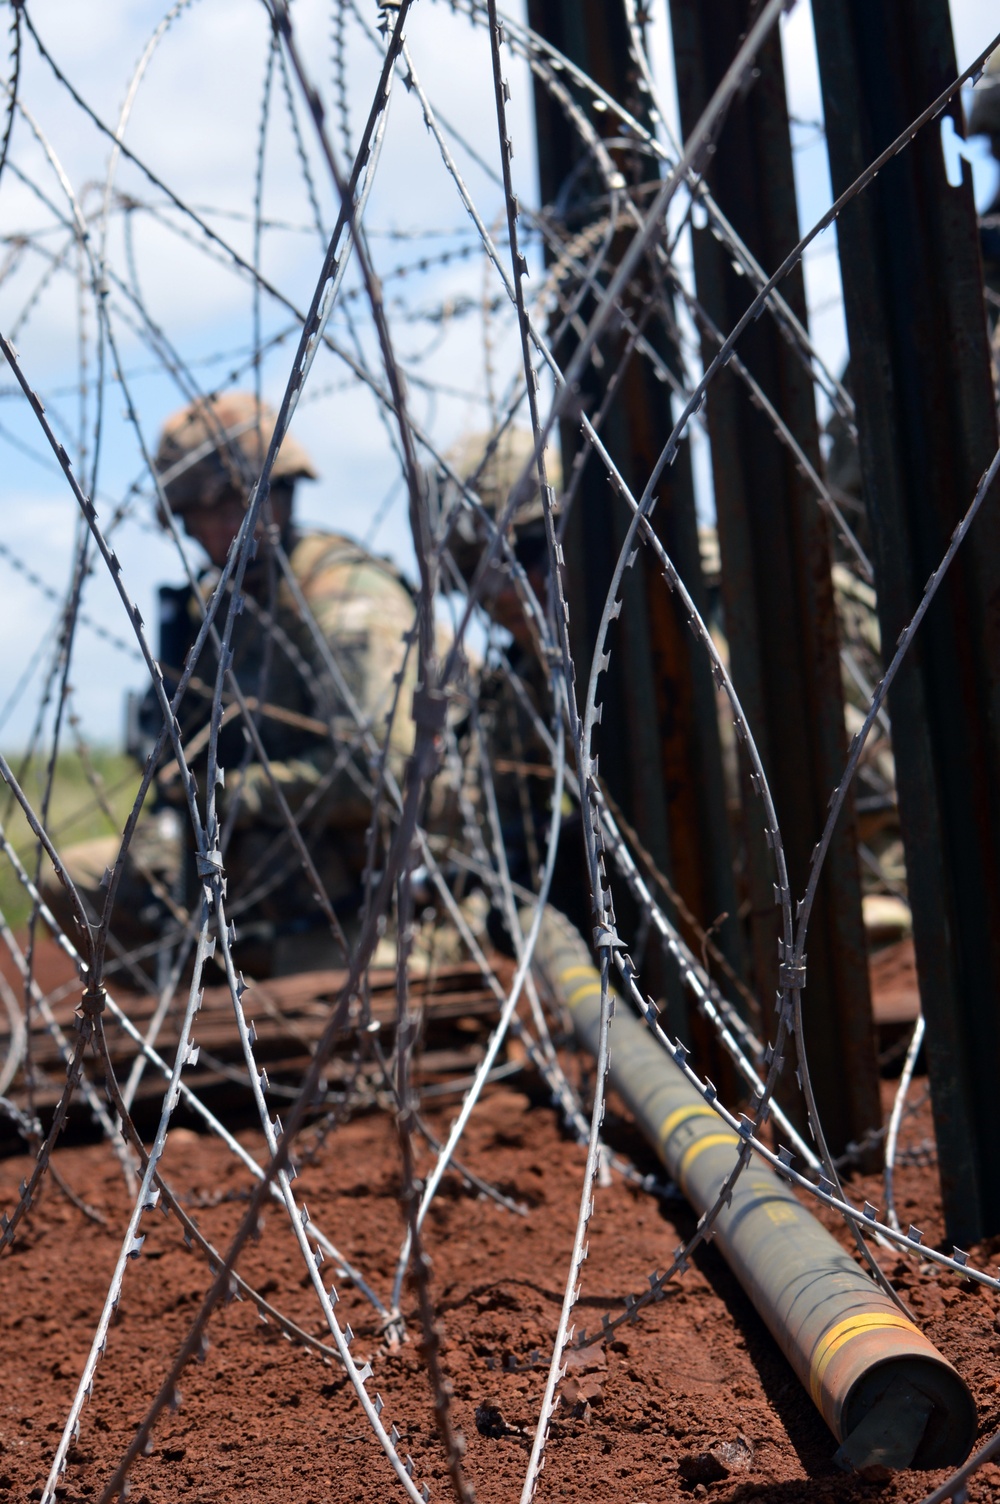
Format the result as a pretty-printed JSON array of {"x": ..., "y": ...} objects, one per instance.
[
  {"x": 493, "y": 482},
  {"x": 216, "y": 444},
  {"x": 984, "y": 116}
]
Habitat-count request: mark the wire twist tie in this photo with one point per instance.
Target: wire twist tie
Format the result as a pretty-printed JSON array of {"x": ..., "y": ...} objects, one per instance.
[
  {"x": 430, "y": 708},
  {"x": 92, "y": 1003}
]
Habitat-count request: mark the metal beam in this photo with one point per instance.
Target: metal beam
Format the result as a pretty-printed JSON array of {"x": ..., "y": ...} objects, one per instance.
[
  {"x": 659, "y": 750},
  {"x": 927, "y": 428},
  {"x": 776, "y": 558}
]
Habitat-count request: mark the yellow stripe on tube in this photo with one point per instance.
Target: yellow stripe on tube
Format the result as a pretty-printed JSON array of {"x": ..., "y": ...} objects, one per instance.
[
  {"x": 707, "y": 1141},
  {"x": 806, "y": 1287},
  {"x": 572, "y": 972},
  {"x": 589, "y": 989},
  {"x": 852, "y": 1326},
  {"x": 681, "y": 1115}
]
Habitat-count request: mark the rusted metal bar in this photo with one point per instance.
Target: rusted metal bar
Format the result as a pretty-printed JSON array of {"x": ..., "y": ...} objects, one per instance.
[
  {"x": 776, "y": 585},
  {"x": 882, "y": 1387},
  {"x": 660, "y": 754},
  {"x": 927, "y": 427}
]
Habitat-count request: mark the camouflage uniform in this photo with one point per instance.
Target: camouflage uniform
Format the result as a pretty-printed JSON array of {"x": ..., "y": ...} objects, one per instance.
[
  {"x": 520, "y": 761},
  {"x": 521, "y": 764},
  {"x": 362, "y": 611},
  {"x": 878, "y": 822}
]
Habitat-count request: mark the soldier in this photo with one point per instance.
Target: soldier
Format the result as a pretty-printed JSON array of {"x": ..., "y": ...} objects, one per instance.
[
  {"x": 519, "y": 757},
  {"x": 317, "y": 645}
]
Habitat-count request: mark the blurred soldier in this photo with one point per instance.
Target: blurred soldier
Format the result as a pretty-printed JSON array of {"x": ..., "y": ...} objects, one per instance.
[
  {"x": 319, "y": 640},
  {"x": 883, "y": 873},
  {"x": 508, "y": 715}
]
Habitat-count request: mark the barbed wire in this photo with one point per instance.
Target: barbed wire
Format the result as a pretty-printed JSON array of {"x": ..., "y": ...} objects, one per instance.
[{"x": 91, "y": 245}]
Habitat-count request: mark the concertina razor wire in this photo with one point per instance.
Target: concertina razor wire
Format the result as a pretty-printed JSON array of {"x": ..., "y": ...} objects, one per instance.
[{"x": 93, "y": 254}]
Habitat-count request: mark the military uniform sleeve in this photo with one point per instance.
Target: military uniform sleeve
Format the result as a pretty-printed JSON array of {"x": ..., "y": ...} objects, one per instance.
[{"x": 362, "y": 613}]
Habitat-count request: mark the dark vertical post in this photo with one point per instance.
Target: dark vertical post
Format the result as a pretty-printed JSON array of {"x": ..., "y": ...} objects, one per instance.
[
  {"x": 927, "y": 428},
  {"x": 659, "y": 745},
  {"x": 776, "y": 556}
]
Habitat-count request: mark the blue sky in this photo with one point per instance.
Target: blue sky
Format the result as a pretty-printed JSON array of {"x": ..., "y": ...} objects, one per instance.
[{"x": 195, "y": 121}]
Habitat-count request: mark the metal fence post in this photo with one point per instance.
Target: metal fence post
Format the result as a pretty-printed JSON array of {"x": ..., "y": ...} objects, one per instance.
[
  {"x": 927, "y": 427},
  {"x": 776, "y": 555},
  {"x": 663, "y": 764}
]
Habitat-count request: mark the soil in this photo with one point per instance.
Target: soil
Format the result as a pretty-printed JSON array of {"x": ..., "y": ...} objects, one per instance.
[{"x": 692, "y": 1401}]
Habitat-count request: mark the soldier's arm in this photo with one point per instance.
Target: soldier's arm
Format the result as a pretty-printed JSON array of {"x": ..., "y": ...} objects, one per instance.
[{"x": 362, "y": 614}]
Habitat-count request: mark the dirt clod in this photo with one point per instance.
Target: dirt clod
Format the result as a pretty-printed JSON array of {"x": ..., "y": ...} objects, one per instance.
[{"x": 489, "y": 1421}]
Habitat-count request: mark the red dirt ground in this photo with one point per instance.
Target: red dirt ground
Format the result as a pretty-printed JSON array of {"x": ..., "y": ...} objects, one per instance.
[{"x": 262, "y": 1420}]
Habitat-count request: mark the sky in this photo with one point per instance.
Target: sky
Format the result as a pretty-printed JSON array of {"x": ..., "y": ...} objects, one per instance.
[{"x": 180, "y": 310}]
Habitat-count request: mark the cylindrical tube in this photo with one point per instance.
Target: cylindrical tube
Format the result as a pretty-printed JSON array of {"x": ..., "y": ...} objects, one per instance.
[{"x": 851, "y": 1347}]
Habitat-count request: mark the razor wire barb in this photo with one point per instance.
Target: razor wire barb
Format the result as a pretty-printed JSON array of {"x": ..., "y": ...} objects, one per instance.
[{"x": 94, "y": 241}]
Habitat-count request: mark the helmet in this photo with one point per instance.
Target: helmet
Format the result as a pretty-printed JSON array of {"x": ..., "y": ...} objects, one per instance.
[
  {"x": 218, "y": 443},
  {"x": 984, "y": 116},
  {"x": 493, "y": 483}
]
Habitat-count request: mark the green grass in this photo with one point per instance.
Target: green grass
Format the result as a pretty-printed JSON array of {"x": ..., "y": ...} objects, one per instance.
[{"x": 74, "y": 814}]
